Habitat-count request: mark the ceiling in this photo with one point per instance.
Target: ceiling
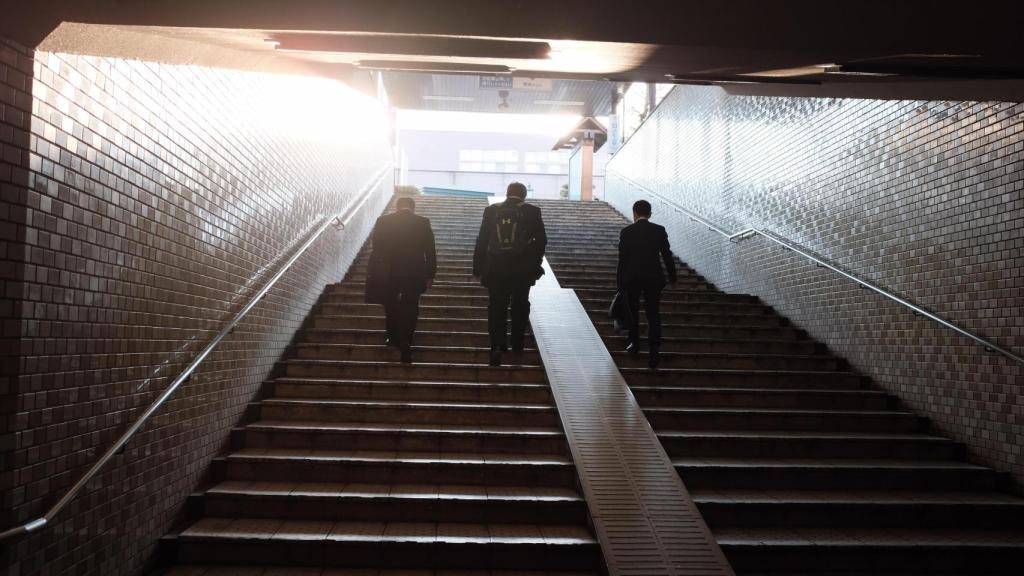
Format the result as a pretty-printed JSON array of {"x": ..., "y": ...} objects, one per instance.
[
  {"x": 488, "y": 93},
  {"x": 922, "y": 49}
]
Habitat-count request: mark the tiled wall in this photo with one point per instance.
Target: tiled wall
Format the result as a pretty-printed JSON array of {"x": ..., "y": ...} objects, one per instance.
[
  {"x": 15, "y": 117},
  {"x": 159, "y": 198},
  {"x": 925, "y": 199}
]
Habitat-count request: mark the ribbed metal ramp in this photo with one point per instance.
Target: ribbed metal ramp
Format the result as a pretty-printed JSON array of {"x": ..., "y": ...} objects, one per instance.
[{"x": 643, "y": 515}]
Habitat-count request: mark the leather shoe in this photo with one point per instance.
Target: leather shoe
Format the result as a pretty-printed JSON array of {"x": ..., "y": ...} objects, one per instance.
[
  {"x": 633, "y": 348},
  {"x": 496, "y": 357},
  {"x": 653, "y": 359},
  {"x": 406, "y": 355}
]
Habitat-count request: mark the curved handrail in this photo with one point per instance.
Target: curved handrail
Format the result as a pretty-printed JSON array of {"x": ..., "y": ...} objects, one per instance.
[
  {"x": 750, "y": 232},
  {"x": 340, "y": 220}
]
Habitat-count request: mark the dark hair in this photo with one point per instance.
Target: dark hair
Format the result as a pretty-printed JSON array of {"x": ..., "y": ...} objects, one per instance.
[
  {"x": 517, "y": 190},
  {"x": 642, "y": 208},
  {"x": 404, "y": 203}
]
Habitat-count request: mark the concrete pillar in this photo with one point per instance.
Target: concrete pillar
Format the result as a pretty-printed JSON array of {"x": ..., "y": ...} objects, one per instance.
[{"x": 581, "y": 171}]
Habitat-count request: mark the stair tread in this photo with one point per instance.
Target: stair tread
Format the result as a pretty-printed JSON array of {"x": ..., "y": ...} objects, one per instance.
[
  {"x": 395, "y": 456},
  {"x": 800, "y": 434},
  {"x": 755, "y": 390},
  {"x": 418, "y": 491},
  {"x": 387, "y": 532},
  {"x": 410, "y": 404},
  {"x": 410, "y": 383},
  {"x": 411, "y": 366},
  {"x": 838, "y": 497},
  {"x": 668, "y": 354},
  {"x": 795, "y": 411},
  {"x": 826, "y": 463},
  {"x": 671, "y": 371},
  {"x": 258, "y": 570},
  {"x": 335, "y": 426},
  {"x": 910, "y": 537}
]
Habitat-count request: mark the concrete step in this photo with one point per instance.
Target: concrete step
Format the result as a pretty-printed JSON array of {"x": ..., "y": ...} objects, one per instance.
[
  {"x": 390, "y": 467},
  {"x": 835, "y": 473},
  {"x": 257, "y": 570},
  {"x": 605, "y": 294},
  {"x": 873, "y": 551},
  {"x": 428, "y": 299},
  {"x": 426, "y": 311},
  {"x": 410, "y": 391},
  {"x": 586, "y": 283},
  {"x": 401, "y": 436},
  {"x": 668, "y": 308},
  {"x": 431, "y": 354},
  {"x": 399, "y": 502},
  {"x": 376, "y": 323},
  {"x": 439, "y": 288},
  {"x": 409, "y": 412},
  {"x": 655, "y": 396},
  {"x": 366, "y": 337},
  {"x": 736, "y": 331},
  {"x": 723, "y": 346},
  {"x": 777, "y": 379},
  {"x": 733, "y": 361},
  {"x": 879, "y": 509},
  {"x": 807, "y": 444},
  {"x": 673, "y": 321},
  {"x": 769, "y": 420},
  {"x": 389, "y": 544},
  {"x": 416, "y": 371}
]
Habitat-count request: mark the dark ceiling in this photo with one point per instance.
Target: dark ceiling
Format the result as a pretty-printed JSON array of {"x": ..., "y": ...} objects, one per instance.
[{"x": 864, "y": 48}]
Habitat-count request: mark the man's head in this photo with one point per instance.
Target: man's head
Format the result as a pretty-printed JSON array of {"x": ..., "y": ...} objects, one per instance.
[
  {"x": 516, "y": 190},
  {"x": 641, "y": 209},
  {"x": 405, "y": 203}
]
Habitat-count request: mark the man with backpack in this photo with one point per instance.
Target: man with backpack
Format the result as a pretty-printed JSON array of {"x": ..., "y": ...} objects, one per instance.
[{"x": 507, "y": 260}]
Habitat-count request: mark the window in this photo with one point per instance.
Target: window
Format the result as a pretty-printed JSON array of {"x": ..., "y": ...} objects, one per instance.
[
  {"x": 466, "y": 155},
  {"x": 555, "y": 169},
  {"x": 533, "y": 168},
  {"x": 471, "y": 166}
]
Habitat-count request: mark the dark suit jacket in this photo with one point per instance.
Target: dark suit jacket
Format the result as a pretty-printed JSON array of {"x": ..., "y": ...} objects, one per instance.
[
  {"x": 641, "y": 246},
  {"x": 524, "y": 268},
  {"x": 403, "y": 250}
]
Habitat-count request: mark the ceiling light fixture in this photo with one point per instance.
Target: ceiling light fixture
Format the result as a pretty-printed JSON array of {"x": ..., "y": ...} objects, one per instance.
[
  {"x": 449, "y": 98},
  {"x": 738, "y": 79},
  {"x": 450, "y": 67},
  {"x": 560, "y": 102}
]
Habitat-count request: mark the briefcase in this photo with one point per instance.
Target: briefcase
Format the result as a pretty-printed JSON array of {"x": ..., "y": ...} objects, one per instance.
[{"x": 620, "y": 314}]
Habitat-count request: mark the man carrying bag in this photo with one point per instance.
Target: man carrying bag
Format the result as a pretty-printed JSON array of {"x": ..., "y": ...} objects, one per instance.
[{"x": 403, "y": 262}]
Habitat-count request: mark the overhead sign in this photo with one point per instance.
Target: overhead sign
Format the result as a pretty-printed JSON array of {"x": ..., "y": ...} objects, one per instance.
[
  {"x": 495, "y": 82},
  {"x": 535, "y": 84},
  {"x": 511, "y": 83}
]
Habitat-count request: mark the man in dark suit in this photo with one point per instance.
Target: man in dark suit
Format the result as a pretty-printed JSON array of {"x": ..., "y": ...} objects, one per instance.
[
  {"x": 403, "y": 263},
  {"x": 507, "y": 260},
  {"x": 643, "y": 246}
]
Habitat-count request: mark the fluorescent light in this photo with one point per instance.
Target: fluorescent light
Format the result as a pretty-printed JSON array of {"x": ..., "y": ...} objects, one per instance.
[
  {"x": 449, "y": 98},
  {"x": 560, "y": 102}
]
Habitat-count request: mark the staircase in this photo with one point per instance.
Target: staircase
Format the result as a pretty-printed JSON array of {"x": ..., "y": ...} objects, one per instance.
[
  {"x": 797, "y": 465},
  {"x": 354, "y": 460}
]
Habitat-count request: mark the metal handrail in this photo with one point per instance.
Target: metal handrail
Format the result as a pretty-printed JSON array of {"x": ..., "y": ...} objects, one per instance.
[
  {"x": 340, "y": 220},
  {"x": 751, "y": 231}
]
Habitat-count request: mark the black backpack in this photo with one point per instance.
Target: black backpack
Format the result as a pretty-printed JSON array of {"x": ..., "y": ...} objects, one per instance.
[{"x": 509, "y": 237}]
